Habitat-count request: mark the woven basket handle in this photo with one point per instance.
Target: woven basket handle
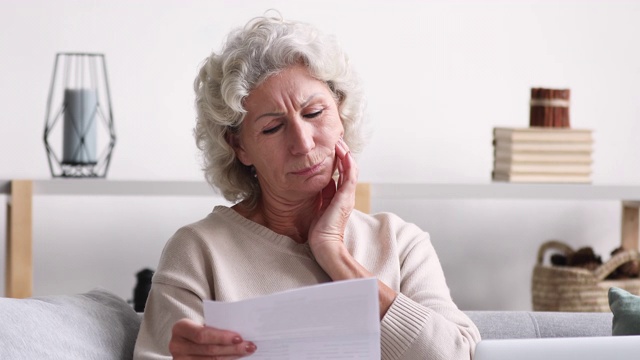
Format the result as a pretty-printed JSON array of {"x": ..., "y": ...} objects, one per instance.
[
  {"x": 618, "y": 259},
  {"x": 553, "y": 245}
]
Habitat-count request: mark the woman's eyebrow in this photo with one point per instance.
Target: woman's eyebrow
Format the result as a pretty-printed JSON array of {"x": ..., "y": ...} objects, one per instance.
[
  {"x": 311, "y": 97},
  {"x": 276, "y": 114},
  {"x": 269, "y": 114}
]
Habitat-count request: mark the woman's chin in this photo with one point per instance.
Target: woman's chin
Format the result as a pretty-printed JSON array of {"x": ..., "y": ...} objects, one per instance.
[{"x": 313, "y": 185}]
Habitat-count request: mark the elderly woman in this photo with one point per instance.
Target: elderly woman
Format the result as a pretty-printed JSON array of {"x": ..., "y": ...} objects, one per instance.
[{"x": 279, "y": 114}]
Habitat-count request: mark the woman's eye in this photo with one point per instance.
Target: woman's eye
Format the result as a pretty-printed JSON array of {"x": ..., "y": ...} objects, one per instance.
[
  {"x": 272, "y": 130},
  {"x": 313, "y": 114}
]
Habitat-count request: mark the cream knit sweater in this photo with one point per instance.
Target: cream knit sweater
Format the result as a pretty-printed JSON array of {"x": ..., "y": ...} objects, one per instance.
[{"x": 227, "y": 257}]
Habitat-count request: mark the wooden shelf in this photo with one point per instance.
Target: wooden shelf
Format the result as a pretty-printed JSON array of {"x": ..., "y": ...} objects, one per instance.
[
  {"x": 506, "y": 191},
  {"x": 100, "y": 187},
  {"x": 19, "y": 273}
]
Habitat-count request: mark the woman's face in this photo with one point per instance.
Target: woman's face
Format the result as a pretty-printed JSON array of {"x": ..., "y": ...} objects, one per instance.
[{"x": 289, "y": 134}]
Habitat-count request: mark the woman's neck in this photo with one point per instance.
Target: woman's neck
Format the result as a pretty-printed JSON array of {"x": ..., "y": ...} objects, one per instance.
[{"x": 282, "y": 217}]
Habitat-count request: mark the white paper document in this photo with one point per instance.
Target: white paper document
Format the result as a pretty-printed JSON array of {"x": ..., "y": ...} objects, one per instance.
[{"x": 330, "y": 321}]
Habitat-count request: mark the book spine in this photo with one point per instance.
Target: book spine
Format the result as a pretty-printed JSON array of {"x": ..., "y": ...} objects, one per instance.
[
  {"x": 541, "y": 168},
  {"x": 541, "y": 137}
]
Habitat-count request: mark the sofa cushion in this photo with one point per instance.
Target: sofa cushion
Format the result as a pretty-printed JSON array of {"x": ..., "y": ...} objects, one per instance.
[
  {"x": 534, "y": 324},
  {"x": 572, "y": 324},
  {"x": 93, "y": 325},
  {"x": 626, "y": 312},
  {"x": 504, "y": 324}
]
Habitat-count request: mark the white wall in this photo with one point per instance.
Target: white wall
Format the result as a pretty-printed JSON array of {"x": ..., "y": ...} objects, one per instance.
[{"x": 439, "y": 75}]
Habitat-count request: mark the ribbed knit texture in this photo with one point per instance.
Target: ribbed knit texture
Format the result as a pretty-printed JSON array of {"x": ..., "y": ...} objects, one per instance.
[
  {"x": 227, "y": 257},
  {"x": 402, "y": 323}
]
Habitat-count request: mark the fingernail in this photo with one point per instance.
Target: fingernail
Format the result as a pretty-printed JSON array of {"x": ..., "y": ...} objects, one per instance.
[
  {"x": 251, "y": 348},
  {"x": 237, "y": 340}
]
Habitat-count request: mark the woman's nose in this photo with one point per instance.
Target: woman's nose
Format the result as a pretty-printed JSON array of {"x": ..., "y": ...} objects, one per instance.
[{"x": 300, "y": 137}]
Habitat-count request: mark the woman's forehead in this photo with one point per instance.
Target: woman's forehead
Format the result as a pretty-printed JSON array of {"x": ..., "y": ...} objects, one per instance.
[{"x": 292, "y": 86}]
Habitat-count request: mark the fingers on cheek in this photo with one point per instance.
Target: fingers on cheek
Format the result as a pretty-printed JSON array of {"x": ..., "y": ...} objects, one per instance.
[
  {"x": 341, "y": 149},
  {"x": 349, "y": 165},
  {"x": 348, "y": 171},
  {"x": 356, "y": 171}
]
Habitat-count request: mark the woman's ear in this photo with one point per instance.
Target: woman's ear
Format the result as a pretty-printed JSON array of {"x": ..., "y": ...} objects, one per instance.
[{"x": 234, "y": 141}]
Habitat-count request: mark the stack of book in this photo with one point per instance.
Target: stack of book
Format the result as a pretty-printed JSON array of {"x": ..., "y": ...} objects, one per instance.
[{"x": 542, "y": 155}]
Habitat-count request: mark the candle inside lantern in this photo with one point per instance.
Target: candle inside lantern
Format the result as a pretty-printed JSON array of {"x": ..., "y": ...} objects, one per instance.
[{"x": 79, "y": 135}]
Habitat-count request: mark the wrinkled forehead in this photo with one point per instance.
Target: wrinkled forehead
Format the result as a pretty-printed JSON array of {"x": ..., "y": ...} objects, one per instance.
[{"x": 292, "y": 87}]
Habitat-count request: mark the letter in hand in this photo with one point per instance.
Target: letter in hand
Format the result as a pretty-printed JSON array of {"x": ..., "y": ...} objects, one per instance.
[{"x": 190, "y": 339}]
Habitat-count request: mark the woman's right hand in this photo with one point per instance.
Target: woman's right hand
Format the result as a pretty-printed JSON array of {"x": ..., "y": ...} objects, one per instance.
[{"x": 192, "y": 340}]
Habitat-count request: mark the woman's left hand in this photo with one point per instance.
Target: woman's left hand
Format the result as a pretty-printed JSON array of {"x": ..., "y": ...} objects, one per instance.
[{"x": 336, "y": 202}]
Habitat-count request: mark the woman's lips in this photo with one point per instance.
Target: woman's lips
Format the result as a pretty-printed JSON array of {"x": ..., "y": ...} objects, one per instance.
[{"x": 310, "y": 170}]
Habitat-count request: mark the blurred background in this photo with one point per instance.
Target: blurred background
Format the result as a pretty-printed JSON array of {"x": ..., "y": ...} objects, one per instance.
[{"x": 438, "y": 75}]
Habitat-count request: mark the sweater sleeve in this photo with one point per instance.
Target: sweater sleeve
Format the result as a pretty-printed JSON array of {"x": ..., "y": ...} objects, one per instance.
[
  {"x": 423, "y": 322},
  {"x": 175, "y": 294}
]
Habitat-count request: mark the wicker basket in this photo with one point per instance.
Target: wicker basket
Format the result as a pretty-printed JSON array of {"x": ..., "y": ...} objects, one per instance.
[{"x": 573, "y": 289}]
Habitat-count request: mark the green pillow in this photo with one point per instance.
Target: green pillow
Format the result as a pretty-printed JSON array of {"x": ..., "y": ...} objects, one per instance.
[{"x": 626, "y": 312}]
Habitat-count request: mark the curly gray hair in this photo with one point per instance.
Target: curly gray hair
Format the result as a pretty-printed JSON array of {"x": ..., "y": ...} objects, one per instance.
[{"x": 262, "y": 48}]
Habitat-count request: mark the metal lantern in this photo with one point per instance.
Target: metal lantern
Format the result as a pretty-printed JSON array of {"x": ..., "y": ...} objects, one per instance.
[{"x": 79, "y": 135}]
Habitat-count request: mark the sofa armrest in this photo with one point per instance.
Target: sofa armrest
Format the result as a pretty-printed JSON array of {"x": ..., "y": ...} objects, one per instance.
[{"x": 93, "y": 325}]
